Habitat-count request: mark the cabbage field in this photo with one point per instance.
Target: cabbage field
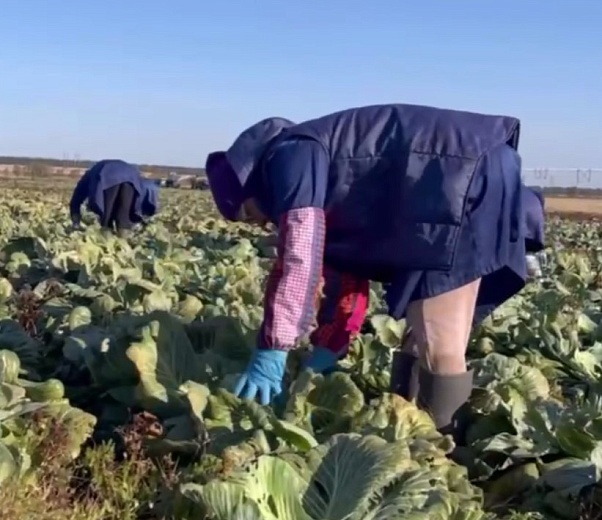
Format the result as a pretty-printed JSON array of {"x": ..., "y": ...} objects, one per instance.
[{"x": 116, "y": 359}]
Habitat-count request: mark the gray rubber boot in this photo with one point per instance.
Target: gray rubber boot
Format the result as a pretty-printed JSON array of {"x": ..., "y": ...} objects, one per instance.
[
  {"x": 404, "y": 380},
  {"x": 446, "y": 399},
  {"x": 124, "y": 233}
]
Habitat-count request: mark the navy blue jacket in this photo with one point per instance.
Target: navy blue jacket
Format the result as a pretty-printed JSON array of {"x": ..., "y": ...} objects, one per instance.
[
  {"x": 397, "y": 182},
  {"x": 150, "y": 199},
  {"x": 103, "y": 175}
]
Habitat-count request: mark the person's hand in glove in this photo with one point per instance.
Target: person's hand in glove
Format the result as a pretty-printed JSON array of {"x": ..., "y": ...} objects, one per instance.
[
  {"x": 321, "y": 360},
  {"x": 542, "y": 258},
  {"x": 534, "y": 264},
  {"x": 263, "y": 376}
]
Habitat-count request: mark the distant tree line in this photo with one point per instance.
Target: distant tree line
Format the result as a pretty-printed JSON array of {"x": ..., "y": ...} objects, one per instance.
[
  {"x": 39, "y": 166},
  {"x": 573, "y": 193},
  {"x": 42, "y": 167}
]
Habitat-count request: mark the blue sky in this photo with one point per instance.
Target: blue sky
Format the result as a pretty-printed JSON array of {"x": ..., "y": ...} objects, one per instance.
[{"x": 167, "y": 82}]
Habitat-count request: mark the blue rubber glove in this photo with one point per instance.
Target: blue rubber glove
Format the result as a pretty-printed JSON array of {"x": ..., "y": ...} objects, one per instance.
[
  {"x": 322, "y": 360},
  {"x": 534, "y": 262},
  {"x": 263, "y": 376}
]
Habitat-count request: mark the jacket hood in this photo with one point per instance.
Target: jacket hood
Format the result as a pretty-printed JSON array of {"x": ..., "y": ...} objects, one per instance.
[
  {"x": 150, "y": 198},
  {"x": 249, "y": 147}
]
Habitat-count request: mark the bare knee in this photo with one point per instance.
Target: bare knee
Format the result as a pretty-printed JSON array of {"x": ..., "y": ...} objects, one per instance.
[
  {"x": 441, "y": 328},
  {"x": 444, "y": 361}
]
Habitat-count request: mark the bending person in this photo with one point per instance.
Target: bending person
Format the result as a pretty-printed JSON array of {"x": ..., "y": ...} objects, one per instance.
[
  {"x": 428, "y": 201},
  {"x": 114, "y": 191}
]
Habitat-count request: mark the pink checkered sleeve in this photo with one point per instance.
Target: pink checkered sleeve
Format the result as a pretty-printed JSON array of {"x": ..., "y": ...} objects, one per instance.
[{"x": 293, "y": 284}]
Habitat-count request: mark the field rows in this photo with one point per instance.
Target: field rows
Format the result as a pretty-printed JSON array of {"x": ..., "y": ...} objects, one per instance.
[{"x": 116, "y": 358}]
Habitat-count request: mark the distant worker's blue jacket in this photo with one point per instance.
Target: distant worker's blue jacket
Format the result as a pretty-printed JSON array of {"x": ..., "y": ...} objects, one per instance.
[
  {"x": 150, "y": 199},
  {"x": 100, "y": 177}
]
